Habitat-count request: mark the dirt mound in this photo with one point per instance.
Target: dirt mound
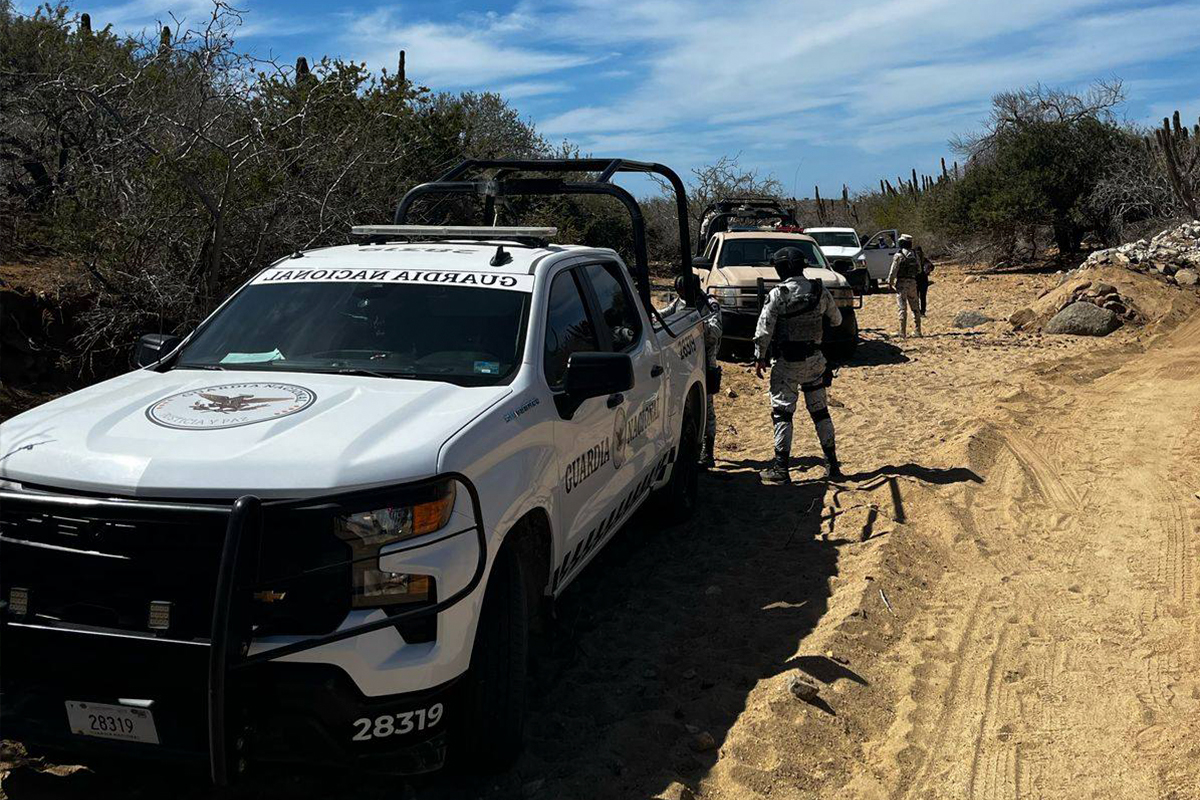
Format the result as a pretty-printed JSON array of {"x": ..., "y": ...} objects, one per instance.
[
  {"x": 1136, "y": 297},
  {"x": 40, "y": 303}
]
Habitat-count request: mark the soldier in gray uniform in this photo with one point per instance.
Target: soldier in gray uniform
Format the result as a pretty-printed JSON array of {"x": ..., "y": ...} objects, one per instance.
[
  {"x": 789, "y": 331},
  {"x": 712, "y": 346},
  {"x": 903, "y": 276}
]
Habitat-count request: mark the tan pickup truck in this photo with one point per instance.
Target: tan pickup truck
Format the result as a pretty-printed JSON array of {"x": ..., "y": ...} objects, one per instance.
[{"x": 736, "y": 270}]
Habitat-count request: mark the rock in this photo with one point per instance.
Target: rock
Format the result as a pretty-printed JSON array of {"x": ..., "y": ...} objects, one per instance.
[
  {"x": 691, "y": 729},
  {"x": 689, "y": 674},
  {"x": 971, "y": 279},
  {"x": 732, "y": 393},
  {"x": 1019, "y": 319},
  {"x": 649, "y": 672},
  {"x": 702, "y": 742},
  {"x": 713, "y": 591},
  {"x": 1103, "y": 289},
  {"x": 1083, "y": 319},
  {"x": 970, "y": 319},
  {"x": 1187, "y": 277},
  {"x": 802, "y": 689},
  {"x": 533, "y": 787}
]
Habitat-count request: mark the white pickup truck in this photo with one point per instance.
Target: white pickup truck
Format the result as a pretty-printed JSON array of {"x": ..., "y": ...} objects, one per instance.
[{"x": 317, "y": 528}]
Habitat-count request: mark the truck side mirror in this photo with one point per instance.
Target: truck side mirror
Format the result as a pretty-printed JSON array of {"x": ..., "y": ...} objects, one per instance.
[
  {"x": 593, "y": 375},
  {"x": 153, "y": 347},
  {"x": 597, "y": 374},
  {"x": 703, "y": 263}
]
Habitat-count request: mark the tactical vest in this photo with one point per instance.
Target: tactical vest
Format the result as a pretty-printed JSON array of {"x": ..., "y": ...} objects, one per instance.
[
  {"x": 909, "y": 268},
  {"x": 800, "y": 325}
]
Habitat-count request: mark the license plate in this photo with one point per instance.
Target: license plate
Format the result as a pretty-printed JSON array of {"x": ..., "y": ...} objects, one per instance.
[{"x": 123, "y": 723}]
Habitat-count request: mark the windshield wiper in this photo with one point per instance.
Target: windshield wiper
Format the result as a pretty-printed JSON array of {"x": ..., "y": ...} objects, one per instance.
[
  {"x": 201, "y": 366},
  {"x": 367, "y": 373}
]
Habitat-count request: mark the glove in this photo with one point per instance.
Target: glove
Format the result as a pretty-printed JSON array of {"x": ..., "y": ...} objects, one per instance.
[{"x": 760, "y": 366}]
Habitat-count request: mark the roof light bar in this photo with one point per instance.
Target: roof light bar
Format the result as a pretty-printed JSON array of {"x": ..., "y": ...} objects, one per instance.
[{"x": 451, "y": 231}]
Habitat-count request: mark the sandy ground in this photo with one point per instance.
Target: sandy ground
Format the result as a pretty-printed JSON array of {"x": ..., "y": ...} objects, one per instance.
[{"x": 1002, "y": 601}]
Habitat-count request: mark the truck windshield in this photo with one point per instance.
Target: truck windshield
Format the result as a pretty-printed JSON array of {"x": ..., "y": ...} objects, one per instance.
[
  {"x": 835, "y": 238},
  {"x": 464, "y": 335},
  {"x": 756, "y": 252}
]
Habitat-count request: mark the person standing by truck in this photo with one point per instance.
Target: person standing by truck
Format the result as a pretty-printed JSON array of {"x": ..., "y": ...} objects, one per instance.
[
  {"x": 902, "y": 277},
  {"x": 788, "y": 341},
  {"x": 923, "y": 279}
]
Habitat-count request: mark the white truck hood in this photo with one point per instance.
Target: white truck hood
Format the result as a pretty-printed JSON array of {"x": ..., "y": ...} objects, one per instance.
[
  {"x": 841, "y": 252},
  {"x": 748, "y": 275},
  {"x": 220, "y": 434}
]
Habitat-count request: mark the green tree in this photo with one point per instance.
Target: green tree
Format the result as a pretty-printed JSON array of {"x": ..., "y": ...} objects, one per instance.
[{"x": 1038, "y": 162}]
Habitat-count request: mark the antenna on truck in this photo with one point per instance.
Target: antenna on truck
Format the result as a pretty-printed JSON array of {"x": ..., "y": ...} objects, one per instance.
[{"x": 498, "y": 179}]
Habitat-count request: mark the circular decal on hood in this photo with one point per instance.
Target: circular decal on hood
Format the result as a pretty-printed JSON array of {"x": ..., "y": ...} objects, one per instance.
[{"x": 229, "y": 405}]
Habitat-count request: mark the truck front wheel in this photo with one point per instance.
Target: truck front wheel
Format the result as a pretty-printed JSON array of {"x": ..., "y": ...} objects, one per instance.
[
  {"x": 491, "y": 730},
  {"x": 675, "y": 503}
]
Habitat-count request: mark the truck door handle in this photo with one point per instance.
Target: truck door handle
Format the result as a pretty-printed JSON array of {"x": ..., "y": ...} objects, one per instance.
[
  {"x": 656, "y": 370},
  {"x": 615, "y": 400}
]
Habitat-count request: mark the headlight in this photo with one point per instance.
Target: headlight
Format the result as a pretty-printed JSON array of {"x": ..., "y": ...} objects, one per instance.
[
  {"x": 368, "y": 531},
  {"x": 725, "y": 295}
]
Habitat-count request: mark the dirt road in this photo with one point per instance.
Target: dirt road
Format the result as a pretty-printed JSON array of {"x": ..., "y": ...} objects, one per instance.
[{"x": 1002, "y": 602}]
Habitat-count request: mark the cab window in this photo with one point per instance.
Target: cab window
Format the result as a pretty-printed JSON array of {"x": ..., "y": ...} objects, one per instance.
[
  {"x": 622, "y": 326},
  {"x": 569, "y": 328}
]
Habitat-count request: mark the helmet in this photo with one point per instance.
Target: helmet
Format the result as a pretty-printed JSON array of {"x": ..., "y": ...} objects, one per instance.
[{"x": 789, "y": 262}]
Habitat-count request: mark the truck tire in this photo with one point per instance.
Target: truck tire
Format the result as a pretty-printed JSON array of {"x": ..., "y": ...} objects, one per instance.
[
  {"x": 844, "y": 338},
  {"x": 675, "y": 503},
  {"x": 489, "y": 736}
]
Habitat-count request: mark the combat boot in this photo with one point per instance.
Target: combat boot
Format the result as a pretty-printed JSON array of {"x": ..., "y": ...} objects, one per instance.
[
  {"x": 779, "y": 471},
  {"x": 917, "y": 322},
  {"x": 833, "y": 468},
  {"x": 904, "y": 329},
  {"x": 706, "y": 455}
]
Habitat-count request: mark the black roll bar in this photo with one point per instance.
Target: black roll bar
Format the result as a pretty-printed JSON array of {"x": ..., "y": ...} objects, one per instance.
[
  {"x": 503, "y": 184},
  {"x": 717, "y": 215}
]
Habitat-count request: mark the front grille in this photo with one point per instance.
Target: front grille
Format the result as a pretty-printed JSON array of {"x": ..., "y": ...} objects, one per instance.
[
  {"x": 104, "y": 569},
  {"x": 105, "y": 572}
]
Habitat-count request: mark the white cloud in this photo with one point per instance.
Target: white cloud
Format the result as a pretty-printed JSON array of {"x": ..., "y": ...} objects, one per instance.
[
  {"x": 763, "y": 76},
  {"x": 515, "y": 91},
  {"x": 473, "y": 53}
]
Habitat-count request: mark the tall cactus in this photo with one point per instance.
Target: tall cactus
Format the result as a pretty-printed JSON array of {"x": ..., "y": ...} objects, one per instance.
[{"x": 1182, "y": 160}]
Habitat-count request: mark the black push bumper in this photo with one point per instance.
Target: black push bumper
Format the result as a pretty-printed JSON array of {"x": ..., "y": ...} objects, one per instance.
[
  {"x": 739, "y": 326},
  {"x": 212, "y": 703}
]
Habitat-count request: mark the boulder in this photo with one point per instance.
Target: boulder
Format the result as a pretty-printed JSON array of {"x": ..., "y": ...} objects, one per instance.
[
  {"x": 1083, "y": 319},
  {"x": 970, "y": 319},
  {"x": 1187, "y": 277}
]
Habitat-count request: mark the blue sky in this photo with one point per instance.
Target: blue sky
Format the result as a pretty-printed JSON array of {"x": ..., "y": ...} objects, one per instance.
[{"x": 815, "y": 92}]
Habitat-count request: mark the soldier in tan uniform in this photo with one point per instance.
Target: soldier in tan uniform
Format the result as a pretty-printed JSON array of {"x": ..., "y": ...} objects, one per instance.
[
  {"x": 788, "y": 340},
  {"x": 906, "y": 268}
]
